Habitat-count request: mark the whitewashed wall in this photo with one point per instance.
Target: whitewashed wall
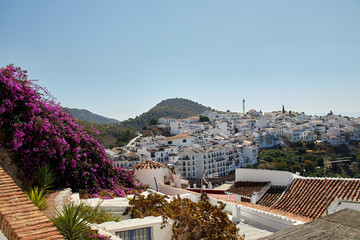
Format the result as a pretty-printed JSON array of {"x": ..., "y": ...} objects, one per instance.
[
  {"x": 277, "y": 178},
  {"x": 132, "y": 224},
  {"x": 146, "y": 176},
  {"x": 171, "y": 191},
  {"x": 269, "y": 221}
]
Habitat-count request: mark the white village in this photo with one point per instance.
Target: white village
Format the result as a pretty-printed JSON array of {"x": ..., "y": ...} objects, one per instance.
[
  {"x": 180, "y": 120},
  {"x": 198, "y": 157}
]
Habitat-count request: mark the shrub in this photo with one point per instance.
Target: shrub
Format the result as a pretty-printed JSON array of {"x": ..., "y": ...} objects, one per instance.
[
  {"x": 90, "y": 234},
  {"x": 74, "y": 222},
  {"x": 40, "y": 132},
  {"x": 44, "y": 177},
  {"x": 38, "y": 197},
  {"x": 191, "y": 221},
  {"x": 97, "y": 214},
  {"x": 71, "y": 222}
]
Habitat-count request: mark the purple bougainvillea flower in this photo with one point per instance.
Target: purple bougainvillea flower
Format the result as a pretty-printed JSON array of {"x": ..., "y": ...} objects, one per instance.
[{"x": 39, "y": 131}]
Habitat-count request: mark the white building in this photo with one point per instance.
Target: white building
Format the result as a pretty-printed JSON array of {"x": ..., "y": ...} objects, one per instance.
[
  {"x": 166, "y": 120},
  {"x": 293, "y": 134},
  {"x": 308, "y": 136},
  {"x": 178, "y": 140}
]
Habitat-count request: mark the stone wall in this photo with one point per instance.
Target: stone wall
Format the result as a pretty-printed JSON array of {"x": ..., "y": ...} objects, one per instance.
[{"x": 7, "y": 163}]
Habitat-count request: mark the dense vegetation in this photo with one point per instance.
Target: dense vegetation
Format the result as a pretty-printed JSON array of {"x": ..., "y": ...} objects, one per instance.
[
  {"x": 204, "y": 119},
  {"x": 119, "y": 134},
  {"x": 85, "y": 115},
  {"x": 109, "y": 134},
  {"x": 191, "y": 221},
  {"x": 308, "y": 159},
  {"x": 73, "y": 222},
  {"x": 39, "y": 132},
  {"x": 173, "y": 107}
]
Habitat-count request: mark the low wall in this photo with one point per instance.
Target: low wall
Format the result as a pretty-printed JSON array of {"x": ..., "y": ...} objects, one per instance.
[
  {"x": 172, "y": 191},
  {"x": 270, "y": 221},
  {"x": 210, "y": 191},
  {"x": 132, "y": 224},
  {"x": 116, "y": 205},
  {"x": 64, "y": 197}
]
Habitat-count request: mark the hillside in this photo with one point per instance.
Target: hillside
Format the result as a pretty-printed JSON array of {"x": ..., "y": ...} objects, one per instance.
[
  {"x": 85, "y": 115},
  {"x": 112, "y": 134},
  {"x": 173, "y": 107}
]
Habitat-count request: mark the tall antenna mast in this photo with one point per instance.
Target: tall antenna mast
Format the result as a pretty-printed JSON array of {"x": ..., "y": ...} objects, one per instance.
[{"x": 243, "y": 106}]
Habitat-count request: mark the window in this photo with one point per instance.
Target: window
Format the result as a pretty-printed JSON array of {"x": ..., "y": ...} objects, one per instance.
[{"x": 136, "y": 234}]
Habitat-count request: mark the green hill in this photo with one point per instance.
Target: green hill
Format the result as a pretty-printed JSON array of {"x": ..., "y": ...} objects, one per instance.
[
  {"x": 112, "y": 134},
  {"x": 85, "y": 115},
  {"x": 173, "y": 107}
]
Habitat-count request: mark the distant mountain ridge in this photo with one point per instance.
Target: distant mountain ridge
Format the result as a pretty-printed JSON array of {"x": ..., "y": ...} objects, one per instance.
[
  {"x": 172, "y": 107},
  {"x": 86, "y": 115},
  {"x": 111, "y": 130}
]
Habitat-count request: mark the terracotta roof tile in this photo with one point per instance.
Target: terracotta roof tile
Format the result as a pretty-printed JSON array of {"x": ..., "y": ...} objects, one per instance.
[
  {"x": 247, "y": 189},
  {"x": 306, "y": 196},
  {"x": 19, "y": 217},
  {"x": 272, "y": 196},
  {"x": 179, "y": 136},
  {"x": 148, "y": 165}
]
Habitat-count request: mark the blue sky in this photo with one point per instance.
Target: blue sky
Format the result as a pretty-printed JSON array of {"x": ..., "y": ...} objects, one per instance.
[{"x": 120, "y": 58}]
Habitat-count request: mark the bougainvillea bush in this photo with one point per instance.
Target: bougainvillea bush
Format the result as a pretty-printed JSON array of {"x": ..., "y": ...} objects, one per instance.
[{"x": 40, "y": 132}]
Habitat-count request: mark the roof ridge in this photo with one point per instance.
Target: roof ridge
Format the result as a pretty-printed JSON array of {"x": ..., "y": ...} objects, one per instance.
[{"x": 19, "y": 217}]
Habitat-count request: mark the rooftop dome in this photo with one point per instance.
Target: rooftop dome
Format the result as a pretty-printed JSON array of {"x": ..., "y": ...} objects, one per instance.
[{"x": 148, "y": 165}]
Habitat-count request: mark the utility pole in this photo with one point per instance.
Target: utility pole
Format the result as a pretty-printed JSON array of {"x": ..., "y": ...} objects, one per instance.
[
  {"x": 326, "y": 202},
  {"x": 243, "y": 106}
]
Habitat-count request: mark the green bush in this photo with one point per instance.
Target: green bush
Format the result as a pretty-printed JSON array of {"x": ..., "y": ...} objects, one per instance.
[
  {"x": 39, "y": 198},
  {"x": 71, "y": 222},
  {"x": 44, "y": 177},
  {"x": 98, "y": 215}
]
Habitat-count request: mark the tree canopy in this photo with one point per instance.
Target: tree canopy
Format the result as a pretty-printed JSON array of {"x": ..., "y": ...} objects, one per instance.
[
  {"x": 191, "y": 221},
  {"x": 204, "y": 119},
  {"x": 307, "y": 159}
]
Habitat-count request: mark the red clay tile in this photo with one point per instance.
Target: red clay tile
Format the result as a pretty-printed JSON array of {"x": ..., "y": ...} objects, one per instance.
[{"x": 19, "y": 217}]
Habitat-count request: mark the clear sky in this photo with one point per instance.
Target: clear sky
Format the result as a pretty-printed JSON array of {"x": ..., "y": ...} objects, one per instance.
[{"x": 120, "y": 58}]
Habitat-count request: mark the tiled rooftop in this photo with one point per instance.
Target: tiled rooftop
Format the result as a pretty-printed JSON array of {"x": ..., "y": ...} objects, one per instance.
[
  {"x": 19, "y": 217},
  {"x": 344, "y": 224},
  {"x": 179, "y": 136},
  {"x": 306, "y": 196},
  {"x": 148, "y": 165},
  {"x": 247, "y": 189},
  {"x": 271, "y": 196}
]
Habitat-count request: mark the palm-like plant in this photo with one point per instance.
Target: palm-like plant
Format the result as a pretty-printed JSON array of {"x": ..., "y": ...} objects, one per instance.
[
  {"x": 71, "y": 222},
  {"x": 44, "y": 177},
  {"x": 98, "y": 215},
  {"x": 38, "y": 197}
]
